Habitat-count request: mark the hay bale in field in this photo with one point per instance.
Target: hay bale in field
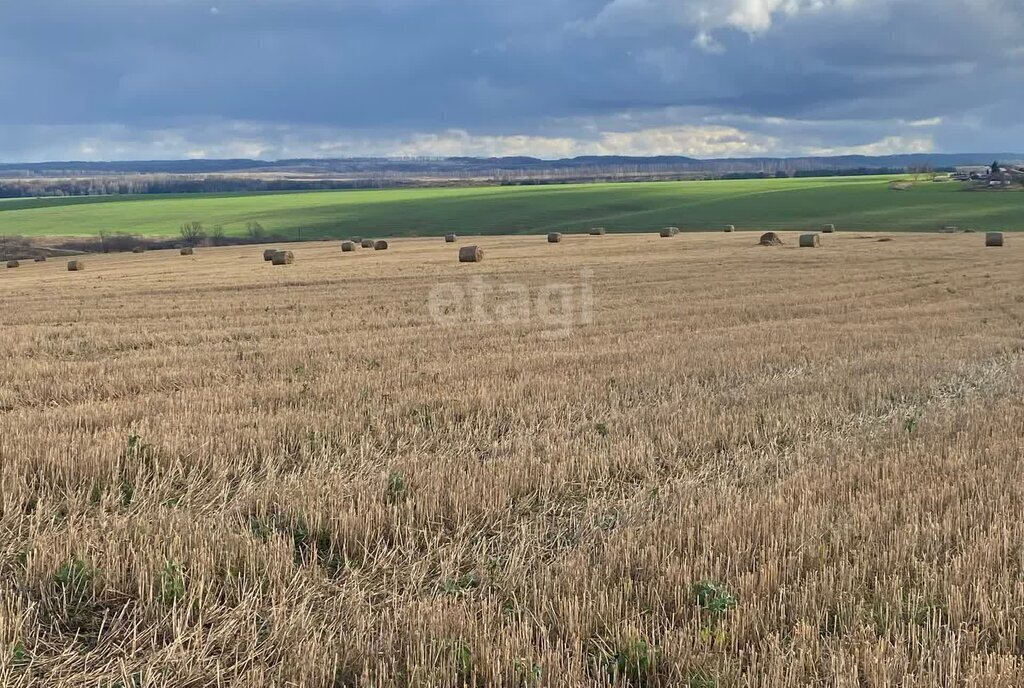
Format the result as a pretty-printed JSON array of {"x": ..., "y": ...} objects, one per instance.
[
  {"x": 139, "y": 249},
  {"x": 268, "y": 254},
  {"x": 356, "y": 240},
  {"x": 366, "y": 243},
  {"x": 810, "y": 241},
  {"x": 187, "y": 251},
  {"x": 40, "y": 259},
  {"x": 347, "y": 246},
  {"x": 886, "y": 239},
  {"x": 450, "y": 238},
  {"x": 75, "y": 266},
  {"x": 597, "y": 231},
  {"x": 951, "y": 229},
  {"x": 282, "y": 258},
  {"x": 13, "y": 264},
  {"x": 380, "y": 245},
  {"x": 994, "y": 239},
  {"x": 730, "y": 228},
  {"x": 471, "y": 254},
  {"x": 770, "y": 239},
  {"x": 554, "y": 237},
  {"x": 669, "y": 232},
  {"x": 828, "y": 229}
]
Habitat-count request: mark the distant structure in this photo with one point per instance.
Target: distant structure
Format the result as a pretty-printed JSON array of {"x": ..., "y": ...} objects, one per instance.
[{"x": 994, "y": 175}]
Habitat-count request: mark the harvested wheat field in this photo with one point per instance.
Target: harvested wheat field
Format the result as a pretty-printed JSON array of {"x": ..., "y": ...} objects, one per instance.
[{"x": 700, "y": 462}]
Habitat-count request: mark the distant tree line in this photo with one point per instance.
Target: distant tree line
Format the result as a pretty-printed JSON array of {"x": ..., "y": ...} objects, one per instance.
[
  {"x": 167, "y": 184},
  {"x": 103, "y": 185}
]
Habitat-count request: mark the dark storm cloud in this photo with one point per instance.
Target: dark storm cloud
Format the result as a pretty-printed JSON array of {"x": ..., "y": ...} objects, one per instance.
[{"x": 113, "y": 78}]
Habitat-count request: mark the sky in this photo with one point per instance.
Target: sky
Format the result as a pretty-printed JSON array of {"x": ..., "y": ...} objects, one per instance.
[{"x": 273, "y": 79}]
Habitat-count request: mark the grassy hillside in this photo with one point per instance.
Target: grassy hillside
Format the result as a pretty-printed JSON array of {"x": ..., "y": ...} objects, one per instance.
[{"x": 862, "y": 203}]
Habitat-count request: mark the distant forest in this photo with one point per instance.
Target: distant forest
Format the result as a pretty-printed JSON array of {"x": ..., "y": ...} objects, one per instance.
[{"x": 20, "y": 180}]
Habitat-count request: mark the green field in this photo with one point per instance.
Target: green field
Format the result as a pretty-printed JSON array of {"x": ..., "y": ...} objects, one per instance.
[{"x": 858, "y": 203}]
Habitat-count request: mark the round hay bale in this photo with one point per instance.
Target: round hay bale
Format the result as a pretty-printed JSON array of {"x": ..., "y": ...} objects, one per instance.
[
  {"x": 380, "y": 245},
  {"x": 139, "y": 249},
  {"x": 187, "y": 251},
  {"x": 730, "y": 228},
  {"x": 471, "y": 254},
  {"x": 282, "y": 258},
  {"x": 13, "y": 264},
  {"x": 450, "y": 238},
  {"x": 770, "y": 239},
  {"x": 810, "y": 241},
  {"x": 994, "y": 239},
  {"x": 554, "y": 237},
  {"x": 598, "y": 231},
  {"x": 951, "y": 229},
  {"x": 268, "y": 254},
  {"x": 40, "y": 259},
  {"x": 347, "y": 246},
  {"x": 75, "y": 266},
  {"x": 356, "y": 240},
  {"x": 366, "y": 243},
  {"x": 828, "y": 229},
  {"x": 669, "y": 231}
]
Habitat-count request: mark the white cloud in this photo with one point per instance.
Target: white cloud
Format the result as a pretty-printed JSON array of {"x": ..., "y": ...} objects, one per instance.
[
  {"x": 753, "y": 17},
  {"x": 890, "y": 145},
  {"x": 695, "y": 141},
  {"x": 929, "y": 122},
  {"x": 706, "y": 42},
  {"x": 246, "y": 140}
]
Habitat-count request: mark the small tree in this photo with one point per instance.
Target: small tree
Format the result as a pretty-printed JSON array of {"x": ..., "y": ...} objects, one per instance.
[
  {"x": 255, "y": 230},
  {"x": 995, "y": 167},
  {"x": 217, "y": 235},
  {"x": 192, "y": 233}
]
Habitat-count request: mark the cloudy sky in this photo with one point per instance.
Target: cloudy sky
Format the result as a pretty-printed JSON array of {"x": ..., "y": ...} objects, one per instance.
[{"x": 143, "y": 79}]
